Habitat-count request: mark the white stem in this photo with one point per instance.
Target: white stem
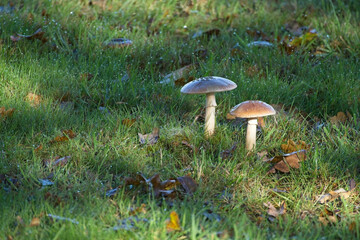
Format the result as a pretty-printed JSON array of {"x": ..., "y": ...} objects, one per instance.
[
  {"x": 251, "y": 134},
  {"x": 210, "y": 114}
]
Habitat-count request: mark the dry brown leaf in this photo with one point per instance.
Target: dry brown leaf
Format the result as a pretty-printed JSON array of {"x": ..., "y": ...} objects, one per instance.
[
  {"x": 6, "y": 113},
  {"x": 35, "y": 222},
  {"x": 128, "y": 122},
  {"x": 86, "y": 76},
  {"x": 340, "y": 117},
  {"x": 141, "y": 209},
  {"x": 173, "y": 224},
  {"x": 179, "y": 77},
  {"x": 188, "y": 184},
  {"x": 258, "y": 35},
  {"x": 38, "y": 34},
  {"x": 227, "y": 154},
  {"x": 333, "y": 195},
  {"x": 352, "y": 226},
  {"x": 38, "y": 148},
  {"x": 150, "y": 138},
  {"x": 287, "y": 161},
  {"x": 272, "y": 211},
  {"x": 67, "y": 134},
  {"x": 33, "y": 99}
]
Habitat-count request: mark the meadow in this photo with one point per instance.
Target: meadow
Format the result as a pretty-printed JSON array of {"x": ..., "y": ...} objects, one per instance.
[{"x": 98, "y": 142}]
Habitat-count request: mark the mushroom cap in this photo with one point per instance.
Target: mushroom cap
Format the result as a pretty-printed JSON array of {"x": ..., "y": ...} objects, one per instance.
[
  {"x": 252, "y": 109},
  {"x": 210, "y": 84}
]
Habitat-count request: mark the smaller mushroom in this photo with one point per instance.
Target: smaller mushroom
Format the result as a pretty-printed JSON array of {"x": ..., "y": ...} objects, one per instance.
[
  {"x": 209, "y": 86},
  {"x": 252, "y": 110}
]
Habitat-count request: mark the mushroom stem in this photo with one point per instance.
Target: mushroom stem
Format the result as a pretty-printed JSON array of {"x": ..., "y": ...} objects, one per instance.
[
  {"x": 210, "y": 114},
  {"x": 251, "y": 134}
]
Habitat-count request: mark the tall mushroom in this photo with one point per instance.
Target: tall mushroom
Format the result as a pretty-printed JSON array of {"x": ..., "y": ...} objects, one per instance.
[
  {"x": 252, "y": 110},
  {"x": 209, "y": 86}
]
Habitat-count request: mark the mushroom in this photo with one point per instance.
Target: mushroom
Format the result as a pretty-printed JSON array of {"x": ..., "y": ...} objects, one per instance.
[
  {"x": 209, "y": 86},
  {"x": 252, "y": 110}
]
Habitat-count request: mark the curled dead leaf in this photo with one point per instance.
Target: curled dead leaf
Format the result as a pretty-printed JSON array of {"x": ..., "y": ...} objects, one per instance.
[
  {"x": 149, "y": 139},
  {"x": 273, "y": 212}
]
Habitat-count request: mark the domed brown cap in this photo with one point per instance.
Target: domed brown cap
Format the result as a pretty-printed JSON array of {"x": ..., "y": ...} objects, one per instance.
[
  {"x": 209, "y": 84},
  {"x": 252, "y": 109}
]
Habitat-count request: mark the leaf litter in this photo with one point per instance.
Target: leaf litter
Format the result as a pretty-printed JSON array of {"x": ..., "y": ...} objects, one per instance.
[
  {"x": 168, "y": 188},
  {"x": 339, "y": 193}
]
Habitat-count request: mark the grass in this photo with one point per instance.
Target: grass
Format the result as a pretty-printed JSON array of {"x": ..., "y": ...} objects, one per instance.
[{"x": 318, "y": 80}]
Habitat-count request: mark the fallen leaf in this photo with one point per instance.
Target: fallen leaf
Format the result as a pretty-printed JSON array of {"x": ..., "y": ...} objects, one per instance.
[
  {"x": 333, "y": 195},
  {"x": 340, "y": 117},
  {"x": 227, "y": 154},
  {"x": 38, "y": 148},
  {"x": 258, "y": 35},
  {"x": 35, "y": 222},
  {"x": 291, "y": 146},
  {"x": 33, "y": 99},
  {"x": 327, "y": 216},
  {"x": 38, "y": 34},
  {"x": 208, "y": 33},
  {"x": 352, "y": 227},
  {"x": 141, "y": 209},
  {"x": 118, "y": 43},
  {"x": 149, "y": 139},
  {"x": 179, "y": 77},
  {"x": 188, "y": 184},
  {"x": 273, "y": 212},
  {"x": 128, "y": 122},
  {"x": 6, "y": 113},
  {"x": 255, "y": 71},
  {"x": 173, "y": 224},
  {"x": 86, "y": 76},
  {"x": 304, "y": 39},
  {"x": 67, "y": 134},
  {"x": 61, "y": 161},
  {"x": 352, "y": 184},
  {"x": 287, "y": 161}
]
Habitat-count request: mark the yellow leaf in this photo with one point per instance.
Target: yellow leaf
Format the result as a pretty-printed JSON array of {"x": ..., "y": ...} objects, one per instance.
[
  {"x": 35, "y": 222},
  {"x": 291, "y": 146},
  {"x": 33, "y": 99},
  {"x": 303, "y": 40},
  {"x": 174, "y": 223}
]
